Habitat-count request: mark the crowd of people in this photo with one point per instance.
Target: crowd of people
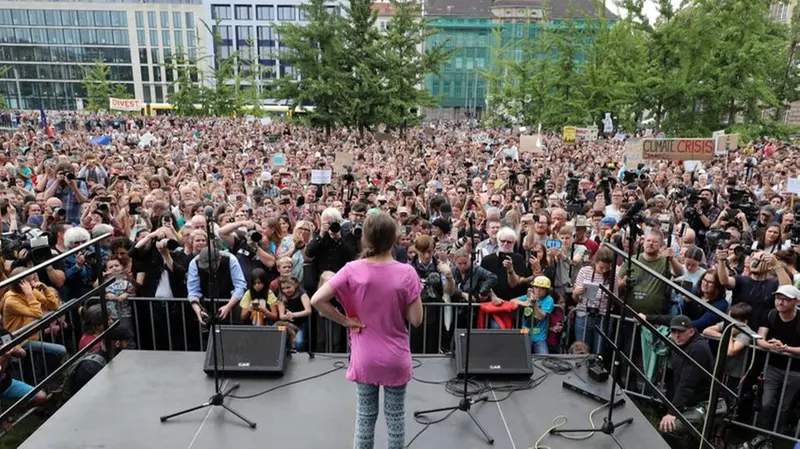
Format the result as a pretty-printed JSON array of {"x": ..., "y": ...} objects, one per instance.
[{"x": 520, "y": 232}]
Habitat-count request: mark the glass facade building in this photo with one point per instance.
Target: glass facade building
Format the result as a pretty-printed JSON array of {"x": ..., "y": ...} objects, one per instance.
[
  {"x": 470, "y": 29},
  {"x": 250, "y": 27},
  {"x": 46, "y": 46}
]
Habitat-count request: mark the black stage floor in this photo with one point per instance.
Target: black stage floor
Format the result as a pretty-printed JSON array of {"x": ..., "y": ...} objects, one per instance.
[{"x": 120, "y": 408}]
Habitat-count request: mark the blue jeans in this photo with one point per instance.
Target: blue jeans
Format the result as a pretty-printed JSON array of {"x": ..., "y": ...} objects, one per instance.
[
  {"x": 17, "y": 390},
  {"x": 540, "y": 347},
  {"x": 585, "y": 331},
  {"x": 51, "y": 350},
  {"x": 300, "y": 338}
]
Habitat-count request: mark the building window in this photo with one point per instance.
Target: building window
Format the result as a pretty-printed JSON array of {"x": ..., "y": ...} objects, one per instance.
[
  {"x": 36, "y": 17},
  {"x": 224, "y": 32},
  {"x": 139, "y": 19},
  {"x": 782, "y": 12},
  {"x": 242, "y": 12},
  {"x": 19, "y": 16},
  {"x": 120, "y": 37},
  {"x": 287, "y": 13},
  {"x": 145, "y": 75},
  {"x": 38, "y": 36},
  {"x": 165, "y": 39},
  {"x": 72, "y": 37},
  {"x": 301, "y": 14},
  {"x": 264, "y": 13},
  {"x": 151, "y": 19},
  {"x": 142, "y": 56},
  {"x": 264, "y": 34},
  {"x": 164, "y": 19},
  {"x": 178, "y": 38},
  {"x": 55, "y": 36},
  {"x": 88, "y": 36},
  {"x": 176, "y": 20},
  {"x": 190, "y": 38},
  {"x": 221, "y": 12},
  {"x": 154, "y": 59},
  {"x": 153, "y": 38},
  {"x": 102, "y": 18},
  {"x": 189, "y": 20},
  {"x": 140, "y": 38}
]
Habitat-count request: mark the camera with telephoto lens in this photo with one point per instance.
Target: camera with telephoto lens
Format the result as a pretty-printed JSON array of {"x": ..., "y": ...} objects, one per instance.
[
  {"x": 335, "y": 227},
  {"x": 795, "y": 238},
  {"x": 741, "y": 200},
  {"x": 716, "y": 239},
  {"x": 358, "y": 229},
  {"x": 170, "y": 244}
]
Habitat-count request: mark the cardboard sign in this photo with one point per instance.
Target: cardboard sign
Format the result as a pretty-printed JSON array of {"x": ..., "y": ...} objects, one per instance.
[
  {"x": 342, "y": 159},
  {"x": 570, "y": 133},
  {"x": 608, "y": 123},
  {"x": 429, "y": 132},
  {"x": 384, "y": 137},
  {"x": 531, "y": 144},
  {"x": 678, "y": 149},
  {"x": 124, "y": 104},
  {"x": 633, "y": 154},
  {"x": 726, "y": 143}
]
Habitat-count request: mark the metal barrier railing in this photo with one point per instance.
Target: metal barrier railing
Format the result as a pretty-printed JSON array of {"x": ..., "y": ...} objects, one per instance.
[{"x": 38, "y": 327}]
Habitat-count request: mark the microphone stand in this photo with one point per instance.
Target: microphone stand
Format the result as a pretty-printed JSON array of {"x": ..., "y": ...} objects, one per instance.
[
  {"x": 609, "y": 426},
  {"x": 466, "y": 403},
  {"x": 218, "y": 398}
]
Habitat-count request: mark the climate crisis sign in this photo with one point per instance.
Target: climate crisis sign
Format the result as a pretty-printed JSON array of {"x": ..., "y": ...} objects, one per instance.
[{"x": 678, "y": 149}]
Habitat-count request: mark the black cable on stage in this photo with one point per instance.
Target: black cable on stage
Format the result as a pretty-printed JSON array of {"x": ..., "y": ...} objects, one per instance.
[{"x": 336, "y": 367}]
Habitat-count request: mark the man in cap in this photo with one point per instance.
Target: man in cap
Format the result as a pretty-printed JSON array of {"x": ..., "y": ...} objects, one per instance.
[
  {"x": 229, "y": 281},
  {"x": 781, "y": 336},
  {"x": 690, "y": 386},
  {"x": 582, "y": 226}
]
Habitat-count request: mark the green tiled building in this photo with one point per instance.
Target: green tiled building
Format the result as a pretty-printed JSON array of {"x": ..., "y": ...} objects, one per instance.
[{"x": 470, "y": 27}]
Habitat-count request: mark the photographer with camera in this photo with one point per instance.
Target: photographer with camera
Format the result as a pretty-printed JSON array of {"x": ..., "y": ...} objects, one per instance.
[
  {"x": 328, "y": 250},
  {"x": 70, "y": 190},
  {"x": 701, "y": 213},
  {"x": 353, "y": 228},
  {"x": 246, "y": 241},
  {"x": 436, "y": 277},
  {"x": 755, "y": 289}
]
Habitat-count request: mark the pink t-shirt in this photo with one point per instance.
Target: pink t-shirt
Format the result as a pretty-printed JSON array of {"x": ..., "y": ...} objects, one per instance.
[{"x": 378, "y": 293}]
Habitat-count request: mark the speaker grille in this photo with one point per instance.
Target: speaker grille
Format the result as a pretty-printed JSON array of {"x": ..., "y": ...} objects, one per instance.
[
  {"x": 247, "y": 349},
  {"x": 495, "y": 352}
]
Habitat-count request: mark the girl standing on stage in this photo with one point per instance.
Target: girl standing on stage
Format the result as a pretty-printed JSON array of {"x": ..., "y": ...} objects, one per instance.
[{"x": 378, "y": 295}]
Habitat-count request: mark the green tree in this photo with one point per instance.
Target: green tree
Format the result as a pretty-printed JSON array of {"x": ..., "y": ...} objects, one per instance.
[
  {"x": 316, "y": 52},
  {"x": 406, "y": 65},
  {"x": 99, "y": 86},
  {"x": 186, "y": 92}
]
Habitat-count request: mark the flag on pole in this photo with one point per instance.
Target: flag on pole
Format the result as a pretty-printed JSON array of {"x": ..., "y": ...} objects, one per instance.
[{"x": 42, "y": 116}]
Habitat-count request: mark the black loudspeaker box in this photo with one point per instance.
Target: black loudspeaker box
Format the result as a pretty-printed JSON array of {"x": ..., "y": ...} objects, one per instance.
[
  {"x": 495, "y": 352},
  {"x": 248, "y": 350}
]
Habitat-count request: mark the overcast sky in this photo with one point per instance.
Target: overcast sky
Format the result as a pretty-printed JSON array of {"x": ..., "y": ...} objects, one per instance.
[{"x": 649, "y": 9}]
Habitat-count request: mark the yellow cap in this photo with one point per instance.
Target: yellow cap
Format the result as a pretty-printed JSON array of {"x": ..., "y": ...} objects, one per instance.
[{"x": 541, "y": 281}]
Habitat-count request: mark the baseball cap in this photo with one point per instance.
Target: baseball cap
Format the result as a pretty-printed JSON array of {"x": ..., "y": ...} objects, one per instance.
[
  {"x": 788, "y": 291},
  {"x": 266, "y": 176},
  {"x": 608, "y": 221},
  {"x": 680, "y": 323}
]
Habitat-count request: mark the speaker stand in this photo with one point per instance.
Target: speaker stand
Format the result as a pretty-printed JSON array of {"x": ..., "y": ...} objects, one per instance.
[
  {"x": 218, "y": 398},
  {"x": 466, "y": 403}
]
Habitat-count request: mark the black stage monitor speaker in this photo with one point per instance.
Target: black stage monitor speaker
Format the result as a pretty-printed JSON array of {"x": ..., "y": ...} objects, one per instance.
[
  {"x": 248, "y": 350},
  {"x": 495, "y": 352}
]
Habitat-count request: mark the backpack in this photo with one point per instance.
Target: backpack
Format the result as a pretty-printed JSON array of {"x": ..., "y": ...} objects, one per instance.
[{"x": 81, "y": 372}]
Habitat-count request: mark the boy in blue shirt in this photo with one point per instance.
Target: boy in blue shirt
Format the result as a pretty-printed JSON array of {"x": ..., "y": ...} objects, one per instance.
[{"x": 538, "y": 305}]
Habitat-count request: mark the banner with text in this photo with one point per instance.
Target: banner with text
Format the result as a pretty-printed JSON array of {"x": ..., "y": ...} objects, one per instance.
[
  {"x": 633, "y": 154},
  {"x": 678, "y": 149},
  {"x": 124, "y": 104},
  {"x": 569, "y": 133}
]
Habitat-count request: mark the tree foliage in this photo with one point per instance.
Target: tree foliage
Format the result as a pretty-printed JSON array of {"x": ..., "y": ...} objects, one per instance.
[
  {"x": 99, "y": 86},
  {"x": 701, "y": 66},
  {"x": 351, "y": 72},
  {"x": 216, "y": 85}
]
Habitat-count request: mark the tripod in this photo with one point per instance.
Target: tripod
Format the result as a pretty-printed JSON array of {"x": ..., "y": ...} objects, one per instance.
[
  {"x": 466, "y": 403},
  {"x": 218, "y": 398},
  {"x": 609, "y": 426}
]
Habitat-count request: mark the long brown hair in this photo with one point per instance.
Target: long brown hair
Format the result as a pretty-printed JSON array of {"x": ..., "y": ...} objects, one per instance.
[{"x": 379, "y": 235}]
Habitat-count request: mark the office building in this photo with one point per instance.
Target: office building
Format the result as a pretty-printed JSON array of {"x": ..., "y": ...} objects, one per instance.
[
  {"x": 469, "y": 28},
  {"x": 45, "y": 46}
]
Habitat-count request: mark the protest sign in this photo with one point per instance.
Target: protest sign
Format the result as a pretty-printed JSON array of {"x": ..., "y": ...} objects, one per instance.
[
  {"x": 384, "y": 137},
  {"x": 531, "y": 144},
  {"x": 278, "y": 159},
  {"x": 124, "y": 104},
  {"x": 569, "y": 134},
  {"x": 321, "y": 177},
  {"x": 793, "y": 185},
  {"x": 633, "y": 154},
  {"x": 341, "y": 160},
  {"x": 725, "y": 143},
  {"x": 678, "y": 149}
]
